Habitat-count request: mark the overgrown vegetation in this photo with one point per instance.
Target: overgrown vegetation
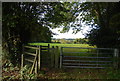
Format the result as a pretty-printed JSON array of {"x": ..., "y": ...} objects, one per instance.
[{"x": 25, "y": 22}]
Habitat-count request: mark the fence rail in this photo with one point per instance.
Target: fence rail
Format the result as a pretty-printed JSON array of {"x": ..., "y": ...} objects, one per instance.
[
  {"x": 85, "y": 57},
  {"x": 36, "y": 61},
  {"x": 90, "y": 48},
  {"x": 98, "y": 58}
]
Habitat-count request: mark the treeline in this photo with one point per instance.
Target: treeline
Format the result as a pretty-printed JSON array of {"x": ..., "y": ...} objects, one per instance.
[
  {"x": 71, "y": 41},
  {"x": 24, "y": 22}
]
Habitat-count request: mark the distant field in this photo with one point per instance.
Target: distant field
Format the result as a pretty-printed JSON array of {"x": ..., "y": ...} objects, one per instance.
[
  {"x": 67, "y": 45},
  {"x": 62, "y": 45}
]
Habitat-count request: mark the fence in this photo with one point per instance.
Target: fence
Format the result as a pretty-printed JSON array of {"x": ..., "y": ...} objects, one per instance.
[
  {"x": 88, "y": 57},
  {"x": 35, "y": 55}
]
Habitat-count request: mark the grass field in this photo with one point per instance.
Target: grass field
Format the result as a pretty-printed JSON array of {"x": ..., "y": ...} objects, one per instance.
[
  {"x": 62, "y": 45},
  {"x": 68, "y": 49}
]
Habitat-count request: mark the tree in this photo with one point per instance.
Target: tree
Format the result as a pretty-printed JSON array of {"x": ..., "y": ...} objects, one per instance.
[
  {"x": 98, "y": 16},
  {"x": 30, "y": 22},
  {"x": 81, "y": 41}
]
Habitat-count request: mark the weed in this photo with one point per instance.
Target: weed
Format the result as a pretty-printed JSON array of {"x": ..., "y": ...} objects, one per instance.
[{"x": 25, "y": 73}]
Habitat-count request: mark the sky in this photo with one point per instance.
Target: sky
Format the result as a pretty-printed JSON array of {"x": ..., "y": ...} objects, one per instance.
[{"x": 69, "y": 35}]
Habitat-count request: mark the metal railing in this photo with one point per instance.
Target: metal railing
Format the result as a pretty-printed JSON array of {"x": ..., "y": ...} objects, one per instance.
[{"x": 79, "y": 57}]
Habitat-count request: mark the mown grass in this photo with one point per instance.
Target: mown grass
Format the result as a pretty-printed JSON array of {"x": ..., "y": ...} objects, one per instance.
[
  {"x": 67, "y": 45},
  {"x": 61, "y": 45}
]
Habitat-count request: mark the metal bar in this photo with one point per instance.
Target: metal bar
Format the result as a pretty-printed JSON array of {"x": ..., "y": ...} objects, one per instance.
[
  {"x": 44, "y": 49},
  {"x": 83, "y": 61},
  {"x": 31, "y": 47},
  {"x": 30, "y": 53},
  {"x": 44, "y": 46},
  {"x": 83, "y": 67},
  {"x": 86, "y": 53},
  {"x": 51, "y": 48},
  {"x": 82, "y": 64},
  {"x": 84, "y": 57},
  {"x": 90, "y": 48}
]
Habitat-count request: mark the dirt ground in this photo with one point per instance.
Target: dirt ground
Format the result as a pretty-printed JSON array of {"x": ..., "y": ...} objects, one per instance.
[{"x": 62, "y": 75}]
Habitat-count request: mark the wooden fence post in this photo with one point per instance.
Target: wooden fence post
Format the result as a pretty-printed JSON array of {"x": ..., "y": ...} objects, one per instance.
[
  {"x": 22, "y": 61},
  {"x": 52, "y": 57},
  {"x": 48, "y": 48},
  {"x": 61, "y": 57},
  {"x": 116, "y": 52},
  {"x": 36, "y": 63},
  {"x": 56, "y": 57},
  {"x": 39, "y": 58},
  {"x": 22, "y": 57}
]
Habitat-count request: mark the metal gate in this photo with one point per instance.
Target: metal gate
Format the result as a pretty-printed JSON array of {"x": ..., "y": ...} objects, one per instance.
[{"x": 78, "y": 57}]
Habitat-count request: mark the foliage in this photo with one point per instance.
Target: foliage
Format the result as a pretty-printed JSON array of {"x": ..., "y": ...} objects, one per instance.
[
  {"x": 63, "y": 41},
  {"x": 71, "y": 41},
  {"x": 114, "y": 74},
  {"x": 25, "y": 22},
  {"x": 102, "y": 18},
  {"x": 99, "y": 17},
  {"x": 9, "y": 71},
  {"x": 25, "y": 75},
  {"x": 81, "y": 41}
]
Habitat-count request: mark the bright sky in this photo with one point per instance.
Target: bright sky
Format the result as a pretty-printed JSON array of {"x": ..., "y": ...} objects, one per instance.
[
  {"x": 85, "y": 28},
  {"x": 69, "y": 34}
]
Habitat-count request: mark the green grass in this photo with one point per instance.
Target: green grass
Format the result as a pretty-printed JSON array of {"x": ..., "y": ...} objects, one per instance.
[
  {"x": 67, "y": 45},
  {"x": 62, "y": 45}
]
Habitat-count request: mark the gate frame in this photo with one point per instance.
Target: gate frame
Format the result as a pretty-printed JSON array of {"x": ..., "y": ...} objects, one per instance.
[{"x": 116, "y": 53}]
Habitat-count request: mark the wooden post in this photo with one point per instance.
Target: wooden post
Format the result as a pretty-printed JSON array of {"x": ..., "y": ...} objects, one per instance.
[
  {"x": 22, "y": 57},
  {"x": 116, "y": 52},
  {"x": 52, "y": 57},
  {"x": 97, "y": 56},
  {"x": 39, "y": 58},
  {"x": 36, "y": 63},
  {"x": 36, "y": 67},
  {"x": 22, "y": 61},
  {"x": 56, "y": 57},
  {"x": 61, "y": 57},
  {"x": 48, "y": 48}
]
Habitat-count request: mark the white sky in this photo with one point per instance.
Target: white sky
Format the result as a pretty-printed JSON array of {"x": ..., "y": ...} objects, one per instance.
[{"x": 69, "y": 34}]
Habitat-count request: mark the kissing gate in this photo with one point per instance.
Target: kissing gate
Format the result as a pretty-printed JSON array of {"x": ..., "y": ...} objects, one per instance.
[
  {"x": 39, "y": 56},
  {"x": 78, "y": 57},
  {"x": 70, "y": 57}
]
